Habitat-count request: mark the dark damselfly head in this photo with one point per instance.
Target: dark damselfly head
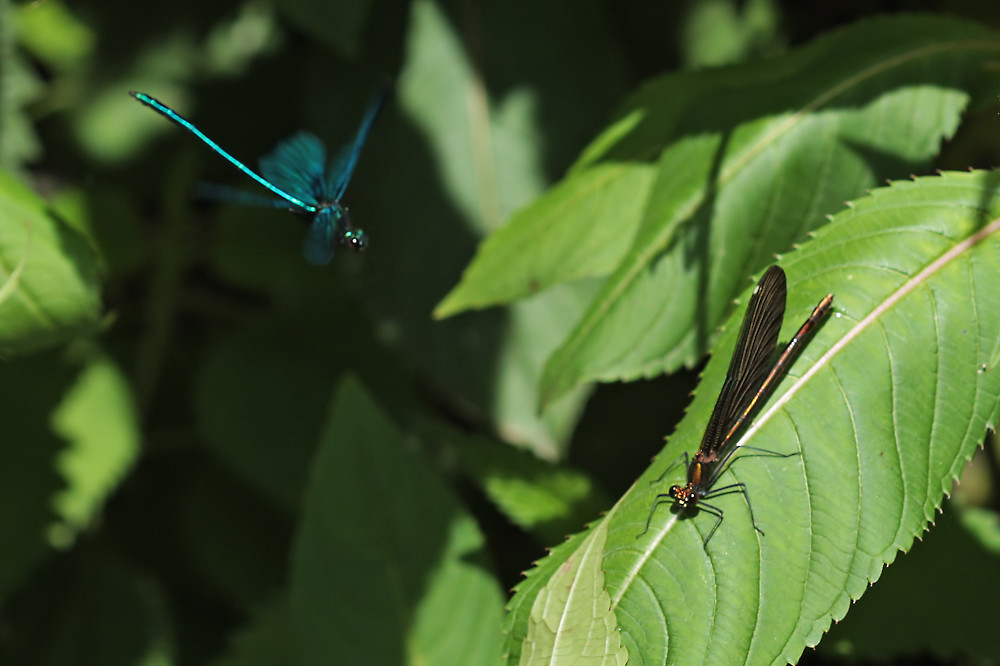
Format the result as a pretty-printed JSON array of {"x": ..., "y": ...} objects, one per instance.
[
  {"x": 686, "y": 497},
  {"x": 356, "y": 239}
]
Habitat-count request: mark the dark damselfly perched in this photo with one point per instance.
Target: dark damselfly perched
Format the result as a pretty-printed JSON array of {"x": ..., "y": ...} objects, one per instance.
[{"x": 749, "y": 381}]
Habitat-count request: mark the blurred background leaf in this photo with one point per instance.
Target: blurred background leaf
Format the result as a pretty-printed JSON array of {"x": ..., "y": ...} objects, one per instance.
[
  {"x": 49, "y": 292},
  {"x": 382, "y": 540}
]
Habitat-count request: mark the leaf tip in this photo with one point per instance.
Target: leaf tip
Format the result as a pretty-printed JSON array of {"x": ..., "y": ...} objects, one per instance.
[{"x": 449, "y": 306}]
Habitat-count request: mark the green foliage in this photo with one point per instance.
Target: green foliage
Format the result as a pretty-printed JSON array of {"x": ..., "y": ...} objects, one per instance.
[
  {"x": 883, "y": 412},
  {"x": 383, "y": 544},
  {"x": 547, "y": 209},
  {"x": 50, "y": 291},
  {"x": 702, "y": 163},
  {"x": 98, "y": 419}
]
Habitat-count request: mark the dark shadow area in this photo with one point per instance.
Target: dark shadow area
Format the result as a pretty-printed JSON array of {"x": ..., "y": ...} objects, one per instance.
[{"x": 624, "y": 427}]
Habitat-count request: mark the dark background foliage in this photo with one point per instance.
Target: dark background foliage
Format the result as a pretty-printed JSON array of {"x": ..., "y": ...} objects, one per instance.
[{"x": 218, "y": 348}]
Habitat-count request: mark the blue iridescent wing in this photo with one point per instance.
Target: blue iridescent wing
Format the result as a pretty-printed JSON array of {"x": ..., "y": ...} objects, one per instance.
[
  {"x": 213, "y": 192},
  {"x": 296, "y": 166},
  {"x": 342, "y": 167},
  {"x": 321, "y": 240}
]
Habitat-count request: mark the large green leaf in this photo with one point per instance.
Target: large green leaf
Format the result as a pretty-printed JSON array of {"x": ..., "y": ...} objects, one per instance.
[
  {"x": 708, "y": 174},
  {"x": 49, "y": 290},
  {"x": 51, "y": 33},
  {"x": 388, "y": 568},
  {"x": 886, "y": 403}
]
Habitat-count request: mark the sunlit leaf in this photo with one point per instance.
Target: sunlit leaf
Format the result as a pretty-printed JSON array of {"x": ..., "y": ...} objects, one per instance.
[
  {"x": 576, "y": 596},
  {"x": 51, "y": 32},
  {"x": 98, "y": 418},
  {"x": 747, "y": 172},
  {"x": 49, "y": 291},
  {"x": 707, "y": 174}
]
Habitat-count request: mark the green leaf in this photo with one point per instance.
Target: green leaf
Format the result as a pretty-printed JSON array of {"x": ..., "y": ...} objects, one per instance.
[
  {"x": 19, "y": 87},
  {"x": 531, "y": 251},
  {"x": 484, "y": 108},
  {"x": 54, "y": 35},
  {"x": 49, "y": 292},
  {"x": 887, "y": 401},
  {"x": 882, "y": 111},
  {"x": 749, "y": 172},
  {"x": 387, "y": 567},
  {"x": 535, "y": 329},
  {"x": 718, "y": 32},
  {"x": 519, "y": 610},
  {"x": 540, "y": 497},
  {"x": 576, "y": 596},
  {"x": 707, "y": 174},
  {"x": 98, "y": 418}
]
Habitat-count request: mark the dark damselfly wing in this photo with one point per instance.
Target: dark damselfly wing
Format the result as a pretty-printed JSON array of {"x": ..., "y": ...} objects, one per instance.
[
  {"x": 342, "y": 167},
  {"x": 749, "y": 367},
  {"x": 752, "y": 375}
]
